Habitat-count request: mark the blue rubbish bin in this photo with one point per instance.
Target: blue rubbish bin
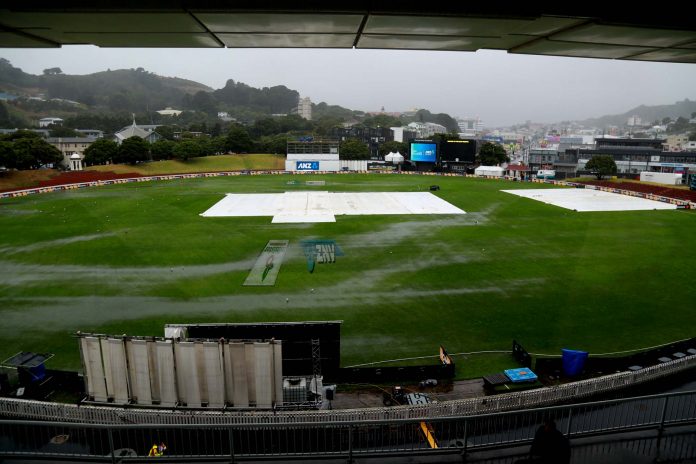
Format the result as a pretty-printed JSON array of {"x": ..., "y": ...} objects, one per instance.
[{"x": 573, "y": 361}]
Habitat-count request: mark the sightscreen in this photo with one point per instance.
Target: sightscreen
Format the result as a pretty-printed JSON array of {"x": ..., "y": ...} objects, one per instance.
[{"x": 425, "y": 152}]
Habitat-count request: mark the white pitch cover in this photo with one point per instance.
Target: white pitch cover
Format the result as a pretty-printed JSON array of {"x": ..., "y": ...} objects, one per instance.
[
  {"x": 119, "y": 370},
  {"x": 139, "y": 369},
  {"x": 91, "y": 353},
  {"x": 278, "y": 372},
  {"x": 213, "y": 373},
  {"x": 239, "y": 369},
  {"x": 264, "y": 375},
  {"x": 187, "y": 373},
  {"x": 165, "y": 371}
]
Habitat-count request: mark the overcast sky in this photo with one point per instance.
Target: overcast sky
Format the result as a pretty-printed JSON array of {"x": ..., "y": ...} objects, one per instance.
[{"x": 499, "y": 88}]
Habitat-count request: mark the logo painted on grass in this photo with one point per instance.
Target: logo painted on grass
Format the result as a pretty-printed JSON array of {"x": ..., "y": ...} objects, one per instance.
[
  {"x": 320, "y": 251},
  {"x": 267, "y": 266}
]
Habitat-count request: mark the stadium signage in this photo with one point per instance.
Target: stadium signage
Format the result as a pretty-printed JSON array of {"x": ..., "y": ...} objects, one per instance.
[{"x": 308, "y": 165}]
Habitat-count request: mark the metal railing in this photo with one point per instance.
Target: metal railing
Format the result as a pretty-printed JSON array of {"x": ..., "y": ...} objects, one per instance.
[
  {"x": 26, "y": 409},
  {"x": 344, "y": 438}
]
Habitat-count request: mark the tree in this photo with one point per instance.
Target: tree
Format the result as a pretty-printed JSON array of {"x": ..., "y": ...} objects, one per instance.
[
  {"x": 4, "y": 115},
  {"x": 6, "y": 154},
  {"x": 162, "y": 149},
  {"x": 33, "y": 152},
  {"x": 52, "y": 71},
  {"x": 45, "y": 153},
  {"x": 238, "y": 140},
  {"x": 216, "y": 145},
  {"x": 60, "y": 131},
  {"x": 393, "y": 146},
  {"x": 492, "y": 154},
  {"x": 353, "y": 149},
  {"x": 273, "y": 144},
  {"x": 601, "y": 165},
  {"x": 101, "y": 151},
  {"x": 204, "y": 102},
  {"x": 132, "y": 150},
  {"x": 22, "y": 157},
  {"x": 692, "y": 137},
  {"x": 187, "y": 149}
]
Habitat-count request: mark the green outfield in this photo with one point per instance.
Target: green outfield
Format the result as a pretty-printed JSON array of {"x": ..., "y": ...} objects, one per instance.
[{"x": 129, "y": 258}]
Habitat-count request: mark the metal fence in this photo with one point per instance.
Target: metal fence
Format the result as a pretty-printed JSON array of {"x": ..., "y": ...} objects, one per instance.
[
  {"x": 396, "y": 437},
  {"x": 26, "y": 409}
]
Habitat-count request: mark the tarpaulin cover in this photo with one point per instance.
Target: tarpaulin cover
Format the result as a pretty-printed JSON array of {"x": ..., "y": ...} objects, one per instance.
[{"x": 573, "y": 361}]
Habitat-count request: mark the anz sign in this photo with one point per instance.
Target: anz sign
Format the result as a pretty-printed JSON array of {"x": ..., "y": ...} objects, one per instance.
[{"x": 308, "y": 165}]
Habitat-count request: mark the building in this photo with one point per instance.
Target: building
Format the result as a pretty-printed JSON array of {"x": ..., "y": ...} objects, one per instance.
[
  {"x": 403, "y": 134},
  {"x": 312, "y": 154},
  {"x": 91, "y": 133},
  {"x": 677, "y": 142},
  {"x": 427, "y": 129},
  {"x": 542, "y": 157},
  {"x": 634, "y": 121},
  {"x": 304, "y": 108},
  {"x": 168, "y": 111},
  {"x": 146, "y": 132},
  {"x": 633, "y": 156},
  {"x": 45, "y": 122},
  {"x": 469, "y": 127},
  {"x": 72, "y": 148}
]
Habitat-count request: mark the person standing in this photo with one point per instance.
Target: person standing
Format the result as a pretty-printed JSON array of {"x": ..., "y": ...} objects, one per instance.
[{"x": 550, "y": 446}]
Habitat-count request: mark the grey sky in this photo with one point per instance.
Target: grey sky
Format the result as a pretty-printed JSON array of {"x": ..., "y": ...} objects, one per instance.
[{"x": 499, "y": 88}]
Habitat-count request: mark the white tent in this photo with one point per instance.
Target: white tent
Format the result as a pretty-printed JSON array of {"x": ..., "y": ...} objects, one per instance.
[
  {"x": 394, "y": 157},
  {"x": 495, "y": 171}
]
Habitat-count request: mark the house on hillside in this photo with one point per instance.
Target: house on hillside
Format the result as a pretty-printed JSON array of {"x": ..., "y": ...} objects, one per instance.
[
  {"x": 45, "y": 122},
  {"x": 169, "y": 111},
  {"x": 73, "y": 150},
  {"x": 146, "y": 132}
]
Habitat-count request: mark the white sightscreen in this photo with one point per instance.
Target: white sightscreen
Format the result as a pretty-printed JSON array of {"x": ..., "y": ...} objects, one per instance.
[
  {"x": 229, "y": 374},
  {"x": 119, "y": 370},
  {"x": 239, "y": 365},
  {"x": 106, "y": 359},
  {"x": 213, "y": 374},
  {"x": 94, "y": 370},
  {"x": 154, "y": 372},
  {"x": 264, "y": 375},
  {"x": 187, "y": 373},
  {"x": 250, "y": 357},
  {"x": 165, "y": 372},
  {"x": 139, "y": 369},
  {"x": 278, "y": 372}
]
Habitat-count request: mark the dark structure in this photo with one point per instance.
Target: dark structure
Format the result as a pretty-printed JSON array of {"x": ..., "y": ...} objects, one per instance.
[
  {"x": 458, "y": 155},
  {"x": 373, "y": 137},
  {"x": 297, "y": 340},
  {"x": 558, "y": 28}
]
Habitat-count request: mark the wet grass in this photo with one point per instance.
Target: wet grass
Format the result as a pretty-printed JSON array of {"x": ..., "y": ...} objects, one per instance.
[{"x": 130, "y": 258}]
